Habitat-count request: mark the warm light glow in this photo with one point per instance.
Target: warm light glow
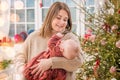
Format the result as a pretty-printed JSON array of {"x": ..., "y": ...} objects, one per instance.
[
  {"x": 101, "y": 3},
  {"x": 14, "y": 17},
  {"x": 4, "y": 6},
  {"x": 18, "y": 4},
  {"x": 2, "y": 34},
  {"x": 8, "y": 52},
  {"x": 1, "y": 21}
]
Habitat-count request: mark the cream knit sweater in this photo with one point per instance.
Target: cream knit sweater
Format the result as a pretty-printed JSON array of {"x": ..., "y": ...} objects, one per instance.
[{"x": 34, "y": 44}]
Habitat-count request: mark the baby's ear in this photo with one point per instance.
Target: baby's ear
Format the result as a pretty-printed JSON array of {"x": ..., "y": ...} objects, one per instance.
[{"x": 61, "y": 49}]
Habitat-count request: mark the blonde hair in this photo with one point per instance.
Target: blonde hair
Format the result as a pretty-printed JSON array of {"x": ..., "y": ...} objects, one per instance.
[{"x": 46, "y": 30}]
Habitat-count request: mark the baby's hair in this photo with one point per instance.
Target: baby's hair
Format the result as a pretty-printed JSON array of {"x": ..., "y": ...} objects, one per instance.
[
  {"x": 72, "y": 49},
  {"x": 77, "y": 49},
  {"x": 75, "y": 46}
]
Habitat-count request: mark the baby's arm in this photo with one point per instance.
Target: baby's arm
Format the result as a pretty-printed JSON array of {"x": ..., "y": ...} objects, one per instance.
[{"x": 53, "y": 40}]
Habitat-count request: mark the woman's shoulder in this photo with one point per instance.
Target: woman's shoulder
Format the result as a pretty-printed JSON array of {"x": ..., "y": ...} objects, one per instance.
[
  {"x": 34, "y": 34},
  {"x": 70, "y": 35}
]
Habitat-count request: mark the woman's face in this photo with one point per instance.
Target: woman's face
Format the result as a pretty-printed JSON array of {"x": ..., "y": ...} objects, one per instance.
[{"x": 60, "y": 22}]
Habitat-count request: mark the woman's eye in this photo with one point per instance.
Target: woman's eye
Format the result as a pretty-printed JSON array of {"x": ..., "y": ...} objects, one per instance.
[
  {"x": 58, "y": 18},
  {"x": 65, "y": 20}
]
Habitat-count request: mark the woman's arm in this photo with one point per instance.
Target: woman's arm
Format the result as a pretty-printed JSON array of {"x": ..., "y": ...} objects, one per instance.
[
  {"x": 21, "y": 56},
  {"x": 58, "y": 62},
  {"x": 69, "y": 65}
]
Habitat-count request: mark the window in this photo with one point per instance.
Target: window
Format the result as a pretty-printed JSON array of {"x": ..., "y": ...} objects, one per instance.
[
  {"x": 90, "y": 8},
  {"x": 31, "y": 15},
  {"x": 22, "y": 16},
  {"x": 78, "y": 17}
]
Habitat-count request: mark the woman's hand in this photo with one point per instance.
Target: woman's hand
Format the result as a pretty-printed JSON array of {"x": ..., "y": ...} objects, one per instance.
[{"x": 43, "y": 65}]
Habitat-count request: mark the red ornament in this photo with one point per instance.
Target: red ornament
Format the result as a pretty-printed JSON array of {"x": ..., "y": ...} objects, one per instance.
[
  {"x": 23, "y": 35},
  {"x": 40, "y": 4},
  {"x": 18, "y": 38},
  {"x": 96, "y": 67},
  {"x": 106, "y": 27},
  {"x": 4, "y": 39},
  {"x": 86, "y": 36},
  {"x": 119, "y": 11}
]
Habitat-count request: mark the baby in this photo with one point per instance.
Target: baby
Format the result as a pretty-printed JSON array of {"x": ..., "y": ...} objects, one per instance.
[
  {"x": 69, "y": 48},
  {"x": 56, "y": 48}
]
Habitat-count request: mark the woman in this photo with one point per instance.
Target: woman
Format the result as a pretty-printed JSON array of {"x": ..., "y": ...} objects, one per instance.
[
  {"x": 56, "y": 48},
  {"x": 58, "y": 19}
]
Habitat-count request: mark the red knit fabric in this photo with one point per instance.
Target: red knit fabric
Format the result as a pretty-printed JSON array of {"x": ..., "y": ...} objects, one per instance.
[{"x": 51, "y": 74}]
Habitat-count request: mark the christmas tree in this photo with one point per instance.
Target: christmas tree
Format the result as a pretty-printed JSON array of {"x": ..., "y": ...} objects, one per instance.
[{"x": 102, "y": 43}]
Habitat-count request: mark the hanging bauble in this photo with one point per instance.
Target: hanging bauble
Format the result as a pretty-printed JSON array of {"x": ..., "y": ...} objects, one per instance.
[
  {"x": 23, "y": 35},
  {"x": 18, "y": 4},
  {"x": 18, "y": 38},
  {"x": 30, "y": 31},
  {"x": 118, "y": 44}
]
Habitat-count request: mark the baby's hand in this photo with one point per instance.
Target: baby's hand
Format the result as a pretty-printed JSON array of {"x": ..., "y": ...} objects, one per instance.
[{"x": 59, "y": 34}]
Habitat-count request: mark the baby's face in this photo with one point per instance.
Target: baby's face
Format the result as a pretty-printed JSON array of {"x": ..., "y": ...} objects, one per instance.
[{"x": 66, "y": 45}]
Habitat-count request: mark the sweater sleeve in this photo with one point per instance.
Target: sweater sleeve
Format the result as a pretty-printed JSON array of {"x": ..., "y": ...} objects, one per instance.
[
  {"x": 69, "y": 65},
  {"x": 21, "y": 56}
]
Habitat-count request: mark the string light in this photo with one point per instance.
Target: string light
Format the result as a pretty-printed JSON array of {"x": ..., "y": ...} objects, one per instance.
[
  {"x": 18, "y": 4},
  {"x": 14, "y": 17},
  {"x": 4, "y": 6},
  {"x": 1, "y": 21}
]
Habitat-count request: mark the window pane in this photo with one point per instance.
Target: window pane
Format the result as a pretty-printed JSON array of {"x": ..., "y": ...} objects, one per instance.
[
  {"x": 89, "y": 2},
  {"x": 73, "y": 14},
  {"x": 12, "y": 30},
  {"x": 91, "y": 10},
  {"x": 12, "y": 16},
  {"x": 46, "y": 3},
  {"x": 44, "y": 12},
  {"x": 20, "y": 28},
  {"x": 70, "y": 3},
  {"x": 12, "y": 11},
  {"x": 30, "y": 3},
  {"x": 12, "y": 3},
  {"x": 30, "y": 27},
  {"x": 30, "y": 15},
  {"x": 21, "y": 14},
  {"x": 74, "y": 28},
  {"x": 58, "y": 0}
]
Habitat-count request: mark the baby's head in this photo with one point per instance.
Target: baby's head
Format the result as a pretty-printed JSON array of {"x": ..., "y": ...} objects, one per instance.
[{"x": 70, "y": 48}]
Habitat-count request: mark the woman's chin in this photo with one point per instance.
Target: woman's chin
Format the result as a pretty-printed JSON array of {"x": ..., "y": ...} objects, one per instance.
[{"x": 58, "y": 31}]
